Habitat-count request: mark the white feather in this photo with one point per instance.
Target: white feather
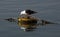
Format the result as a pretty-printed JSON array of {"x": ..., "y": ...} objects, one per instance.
[{"x": 23, "y": 12}]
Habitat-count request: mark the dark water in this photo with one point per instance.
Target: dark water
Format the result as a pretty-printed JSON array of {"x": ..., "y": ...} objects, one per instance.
[{"x": 47, "y": 9}]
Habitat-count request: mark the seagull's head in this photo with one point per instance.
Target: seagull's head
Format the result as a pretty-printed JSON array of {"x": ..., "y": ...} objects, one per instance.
[{"x": 27, "y": 12}]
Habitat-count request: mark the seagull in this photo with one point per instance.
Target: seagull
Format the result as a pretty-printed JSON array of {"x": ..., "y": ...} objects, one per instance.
[{"x": 30, "y": 23}]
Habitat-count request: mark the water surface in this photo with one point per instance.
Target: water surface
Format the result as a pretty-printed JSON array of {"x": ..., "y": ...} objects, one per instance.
[{"x": 47, "y": 10}]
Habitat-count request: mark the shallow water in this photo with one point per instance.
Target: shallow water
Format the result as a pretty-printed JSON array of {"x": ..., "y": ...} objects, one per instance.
[{"x": 47, "y": 10}]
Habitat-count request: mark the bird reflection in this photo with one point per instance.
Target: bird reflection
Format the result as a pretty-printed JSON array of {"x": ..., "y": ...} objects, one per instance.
[{"x": 29, "y": 24}]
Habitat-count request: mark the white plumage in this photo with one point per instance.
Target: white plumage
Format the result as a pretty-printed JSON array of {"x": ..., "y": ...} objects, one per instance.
[{"x": 23, "y": 12}]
